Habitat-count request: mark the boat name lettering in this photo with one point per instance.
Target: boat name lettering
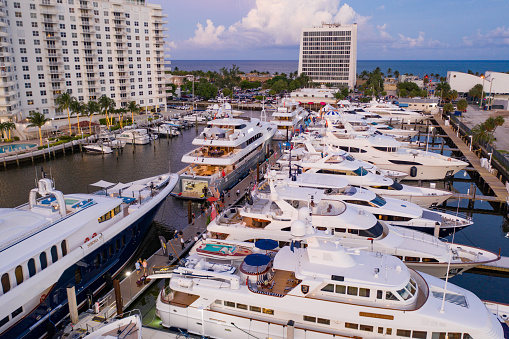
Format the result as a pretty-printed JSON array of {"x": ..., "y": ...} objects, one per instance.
[
  {"x": 93, "y": 242},
  {"x": 376, "y": 315}
]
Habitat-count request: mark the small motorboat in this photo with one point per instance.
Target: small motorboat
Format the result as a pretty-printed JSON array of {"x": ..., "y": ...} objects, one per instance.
[{"x": 98, "y": 148}]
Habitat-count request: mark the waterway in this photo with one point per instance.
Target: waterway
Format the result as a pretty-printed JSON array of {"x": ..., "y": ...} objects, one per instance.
[{"x": 74, "y": 172}]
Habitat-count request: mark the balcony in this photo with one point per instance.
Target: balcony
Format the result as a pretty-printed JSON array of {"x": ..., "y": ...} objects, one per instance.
[
  {"x": 56, "y": 71},
  {"x": 55, "y": 63},
  {"x": 84, "y": 6},
  {"x": 49, "y": 29},
  {"x": 47, "y": 2},
  {"x": 51, "y": 37}
]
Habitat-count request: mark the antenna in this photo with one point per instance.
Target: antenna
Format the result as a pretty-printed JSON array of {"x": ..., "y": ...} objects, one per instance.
[{"x": 446, "y": 280}]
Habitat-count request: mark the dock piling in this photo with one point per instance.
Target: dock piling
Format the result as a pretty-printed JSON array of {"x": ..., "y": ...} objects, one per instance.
[
  {"x": 73, "y": 306},
  {"x": 118, "y": 296}
]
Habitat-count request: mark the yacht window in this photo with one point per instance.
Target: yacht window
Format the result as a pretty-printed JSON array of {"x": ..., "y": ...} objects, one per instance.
[
  {"x": 454, "y": 335},
  {"x": 242, "y": 306},
  {"x": 63, "y": 245},
  {"x": 373, "y": 232},
  {"x": 412, "y": 259},
  {"x": 356, "y": 232},
  {"x": 410, "y": 288},
  {"x": 419, "y": 334},
  {"x": 352, "y": 290},
  {"x": 359, "y": 202},
  {"x": 403, "y": 333},
  {"x": 438, "y": 335},
  {"x": 328, "y": 288},
  {"x": 340, "y": 289},
  {"x": 404, "y": 294},
  {"x": 4, "y": 321},
  {"x": 323, "y": 321},
  {"x": 380, "y": 330},
  {"x": 229, "y": 304},
  {"x": 396, "y": 186},
  {"x": 379, "y": 294},
  {"x": 17, "y": 312},
  {"x": 412, "y": 281},
  {"x": 267, "y": 311},
  {"x": 366, "y": 328},
  {"x": 379, "y": 201},
  {"x": 390, "y": 296},
  {"x": 255, "y": 309},
  {"x": 6, "y": 283},
  {"x": 388, "y": 331},
  {"x": 218, "y": 302},
  {"x": 18, "y": 272},
  {"x": 44, "y": 260},
  {"x": 364, "y": 292},
  {"x": 54, "y": 254},
  {"x": 360, "y": 171},
  {"x": 117, "y": 247},
  {"x": 429, "y": 260},
  {"x": 31, "y": 267},
  {"x": 467, "y": 336},
  {"x": 404, "y": 162},
  {"x": 310, "y": 319},
  {"x": 340, "y": 230},
  {"x": 349, "y": 157},
  {"x": 77, "y": 275},
  {"x": 352, "y": 326},
  {"x": 385, "y": 149}
]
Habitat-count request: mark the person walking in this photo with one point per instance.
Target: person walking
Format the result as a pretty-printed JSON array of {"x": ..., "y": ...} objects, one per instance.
[
  {"x": 238, "y": 193},
  {"x": 145, "y": 267},
  {"x": 182, "y": 242},
  {"x": 138, "y": 267},
  {"x": 196, "y": 237},
  {"x": 193, "y": 217}
]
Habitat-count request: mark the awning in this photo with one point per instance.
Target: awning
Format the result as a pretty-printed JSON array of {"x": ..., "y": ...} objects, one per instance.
[
  {"x": 134, "y": 188},
  {"x": 215, "y": 131},
  {"x": 119, "y": 186},
  {"x": 266, "y": 244},
  {"x": 257, "y": 259},
  {"x": 102, "y": 184}
]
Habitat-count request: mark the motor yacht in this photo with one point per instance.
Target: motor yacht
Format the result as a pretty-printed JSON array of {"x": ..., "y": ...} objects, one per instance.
[
  {"x": 166, "y": 129},
  {"x": 109, "y": 140},
  {"x": 317, "y": 288},
  {"x": 138, "y": 136},
  {"x": 228, "y": 149},
  {"x": 288, "y": 117},
  {"x": 97, "y": 148},
  {"x": 57, "y": 240},
  {"x": 395, "y": 113}
]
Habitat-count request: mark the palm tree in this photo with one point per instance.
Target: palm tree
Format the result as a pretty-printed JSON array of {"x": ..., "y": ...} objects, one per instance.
[
  {"x": 2, "y": 128},
  {"x": 76, "y": 108},
  {"x": 106, "y": 104},
  {"x": 37, "y": 119},
  {"x": 133, "y": 108},
  {"x": 63, "y": 101},
  {"x": 91, "y": 108},
  {"x": 121, "y": 111},
  {"x": 481, "y": 134},
  {"x": 8, "y": 126}
]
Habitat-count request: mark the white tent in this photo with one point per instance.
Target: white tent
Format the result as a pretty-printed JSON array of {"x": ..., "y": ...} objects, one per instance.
[
  {"x": 102, "y": 184},
  {"x": 118, "y": 187}
]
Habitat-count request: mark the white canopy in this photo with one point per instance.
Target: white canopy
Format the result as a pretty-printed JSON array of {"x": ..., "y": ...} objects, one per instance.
[
  {"x": 134, "y": 188},
  {"x": 102, "y": 184},
  {"x": 119, "y": 186},
  {"x": 215, "y": 131}
]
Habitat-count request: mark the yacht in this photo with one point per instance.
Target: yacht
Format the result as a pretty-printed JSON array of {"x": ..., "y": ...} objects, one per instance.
[
  {"x": 166, "y": 129},
  {"x": 316, "y": 288},
  {"x": 388, "y": 153},
  {"x": 137, "y": 136},
  {"x": 228, "y": 149},
  {"x": 109, "y": 140},
  {"x": 272, "y": 210},
  {"x": 393, "y": 211},
  {"x": 344, "y": 166},
  {"x": 98, "y": 148},
  {"x": 287, "y": 117},
  {"x": 395, "y": 113},
  {"x": 57, "y": 240}
]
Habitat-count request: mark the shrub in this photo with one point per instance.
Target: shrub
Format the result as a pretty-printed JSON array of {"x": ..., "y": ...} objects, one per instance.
[
  {"x": 64, "y": 137},
  {"x": 102, "y": 121},
  {"x": 51, "y": 139},
  {"x": 16, "y": 138}
]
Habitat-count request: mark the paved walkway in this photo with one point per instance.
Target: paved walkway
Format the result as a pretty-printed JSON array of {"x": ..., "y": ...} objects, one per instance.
[{"x": 495, "y": 184}]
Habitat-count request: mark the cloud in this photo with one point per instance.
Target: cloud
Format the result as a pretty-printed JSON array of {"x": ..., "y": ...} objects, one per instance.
[
  {"x": 496, "y": 37},
  {"x": 207, "y": 36}
]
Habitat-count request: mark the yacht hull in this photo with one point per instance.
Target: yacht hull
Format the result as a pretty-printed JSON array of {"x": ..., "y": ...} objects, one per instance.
[
  {"x": 424, "y": 172},
  {"x": 98, "y": 268},
  {"x": 421, "y": 200}
]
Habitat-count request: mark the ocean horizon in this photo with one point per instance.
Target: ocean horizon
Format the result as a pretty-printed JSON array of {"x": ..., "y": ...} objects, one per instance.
[{"x": 415, "y": 67}]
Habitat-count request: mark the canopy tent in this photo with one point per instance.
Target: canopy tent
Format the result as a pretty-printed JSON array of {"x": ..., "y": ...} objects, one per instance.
[
  {"x": 118, "y": 187},
  {"x": 102, "y": 184},
  {"x": 216, "y": 131},
  {"x": 257, "y": 259},
  {"x": 266, "y": 244}
]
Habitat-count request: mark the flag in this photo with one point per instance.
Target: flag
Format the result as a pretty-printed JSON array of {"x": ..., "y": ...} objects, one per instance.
[{"x": 213, "y": 213}]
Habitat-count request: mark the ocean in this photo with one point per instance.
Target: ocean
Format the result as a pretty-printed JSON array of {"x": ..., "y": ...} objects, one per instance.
[{"x": 415, "y": 67}]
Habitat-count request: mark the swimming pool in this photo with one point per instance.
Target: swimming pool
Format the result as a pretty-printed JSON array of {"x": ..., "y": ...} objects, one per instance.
[{"x": 15, "y": 147}]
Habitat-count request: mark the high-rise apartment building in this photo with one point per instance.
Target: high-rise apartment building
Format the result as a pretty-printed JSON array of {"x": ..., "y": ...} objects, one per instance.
[
  {"x": 87, "y": 48},
  {"x": 328, "y": 54}
]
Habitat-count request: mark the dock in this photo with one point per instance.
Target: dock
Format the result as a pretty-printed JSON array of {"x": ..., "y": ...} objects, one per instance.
[
  {"x": 493, "y": 182},
  {"x": 498, "y": 268}
]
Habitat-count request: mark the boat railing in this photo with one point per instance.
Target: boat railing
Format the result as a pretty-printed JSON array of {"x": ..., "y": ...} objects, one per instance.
[
  {"x": 167, "y": 295},
  {"x": 451, "y": 215}
]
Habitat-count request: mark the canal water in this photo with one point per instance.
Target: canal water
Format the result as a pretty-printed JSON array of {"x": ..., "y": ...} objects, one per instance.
[{"x": 74, "y": 172}]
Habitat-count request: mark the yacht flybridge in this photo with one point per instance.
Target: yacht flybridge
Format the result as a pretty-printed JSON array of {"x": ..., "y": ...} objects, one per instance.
[
  {"x": 317, "y": 288},
  {"x": 287, "y": 117},
  {"x": 228, "y": 149},
  {"x": 272, "y": 211},
  {"x": 60, "y": 239}
]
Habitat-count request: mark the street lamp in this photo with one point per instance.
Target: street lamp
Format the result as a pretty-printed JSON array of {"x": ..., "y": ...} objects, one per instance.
[
  {"x": 471, "y": 138},
  {"x": 128, "y": 274},
  {"x": 482, "y": 92},
  {"x": 491, "y": 84}
]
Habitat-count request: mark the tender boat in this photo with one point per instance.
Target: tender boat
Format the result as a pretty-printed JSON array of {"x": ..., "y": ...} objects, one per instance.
[
  {"x": 98, "y": 148},
  {"x": 316, "y": 288},
  {"x": 166, "y": 129},
  {"x": 137, "y": 136},
  {"x": 59, "y": 239},
  {"x": 110, "y": 141}
]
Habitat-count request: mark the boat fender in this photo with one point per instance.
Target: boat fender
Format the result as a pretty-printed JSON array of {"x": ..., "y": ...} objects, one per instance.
[
  {"x": 249, "y": 199},
  {"x": 448, "y": 159},
  {"x": 86, "y": 240},
  {"x": 43, "y": 297},
  {"x": 94, "y": 235},
  {"x": 413, "y": 171}
]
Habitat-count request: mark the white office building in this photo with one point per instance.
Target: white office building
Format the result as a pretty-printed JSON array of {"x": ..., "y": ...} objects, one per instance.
[
  {"x": 328, "y": 54},
  {"x": 83, "y": 47}
]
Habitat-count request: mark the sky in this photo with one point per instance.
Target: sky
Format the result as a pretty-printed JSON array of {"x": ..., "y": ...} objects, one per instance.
[{"x": 387, "y": 30}]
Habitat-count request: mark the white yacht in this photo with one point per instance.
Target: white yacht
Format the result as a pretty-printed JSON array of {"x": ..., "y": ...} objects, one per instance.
[
  {"x": 166, "y": 129},
  {"x": 388, "y": 153},
  {"x": 344, "y": 166},
  {"x": 272, "y": 213},
  {"x": 137, "y": 136},
  {"x": 81, "y": 239},
  {"x": 319, "y": 290},
  {"x": 287, "y": 117},
  {"x": 228, "y": 149},
  {"x": 98, "y": 148},
  {"x": 394, "y": 112},
  {"x": 109, "y": 140},
  {"x": 393, "y": 211}
]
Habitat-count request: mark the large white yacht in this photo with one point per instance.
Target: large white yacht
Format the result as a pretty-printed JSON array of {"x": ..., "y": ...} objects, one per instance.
[
  {"x": 137, "y": 136},
  {"x": 388, "y": 153},
  {"x": 228, "y": 149},
  {"x": 395, "y": 113},
  {"x": 393, "y": 211},
  {"x": 342, "y": 164},
  {"x": 81, "y": 239},
  {"x": 316, "y": 288},
  {"x": 272, "y": 213},
  {"x": 287, "y": 117}
]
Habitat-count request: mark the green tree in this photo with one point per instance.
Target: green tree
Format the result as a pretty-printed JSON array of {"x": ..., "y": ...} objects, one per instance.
[
  {"x": 106, "y": 104},
  {"x": 414, "y": 93},
  {"x": 476, "y": 92},
  {"x": 451, "y": 95},
  {"x": 8, "y": 126},
  {"x": 448, "y": 108},
  {"x": 279, "y": 86},
  {"x": 92, "y": 108},
  {"x": 63, "y": 102},
  {"x": 37, "y": 119},
  {"x": 443, "y": 87},
  {"x": 206, "y": 90},
  {"x": 462, "y": 105},
  {"x": 2, "y": 129},
  {"x": 133, "y": 108},
  {"x": 227, "y": 92},
  {"x": 424, "y": 93},
  {"x": 481, "y": 134},
  {"x": 403, "y": 93},
  {"x": 78, "y": 108}
]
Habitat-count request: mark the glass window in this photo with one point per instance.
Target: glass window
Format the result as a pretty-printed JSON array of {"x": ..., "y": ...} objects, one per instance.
[
  {"x": 419, "y": 334},
  {"x": 328, "y": 288},
  {"x": 242, "y": 306},
  {"x": 404, "y": 294},
  {"x": 310, "y": 319},
  {"x": 77, "y": 275},
  {"x": 454, "y": 335},
  {"x": 19, "y": 275},
  {"x": 352, "y": 326},
  {"x": 403, "y": 333},
  {"x": 390, "y": 296},
  {"x": 54, "y": 254},
  {"x": 44, "y": 260},
  {"x": 352, "y": 290},
  {"x": 267, "y": 311},
  {"x": 4, "y": 321},
  {"x": 6, "y": 283},
  {"x": 31, "y": 267},
  {"x": 438, "y": 335},
  {"x": 229, "y": 304},
  {"x": 63, "y": 246},
  {"x": 323, "y": 321},
  {"x": 340, "y": 289},
  {"x": 366, "y": 328},
  {"x": 17, "y": 312},
  {"x": 364, "y": 292},
  {"x": 255, "y": 309}
]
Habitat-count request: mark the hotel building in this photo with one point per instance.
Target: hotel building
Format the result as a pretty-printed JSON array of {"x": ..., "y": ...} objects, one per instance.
[
  {"x": 83, "y": 47},
  {"x": 328, "y": 54}
]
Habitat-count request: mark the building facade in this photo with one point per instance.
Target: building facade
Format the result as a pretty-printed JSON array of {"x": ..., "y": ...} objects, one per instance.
[
  {"x": 328, "y": 54},
  {"x": 83, "y": 47}
]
